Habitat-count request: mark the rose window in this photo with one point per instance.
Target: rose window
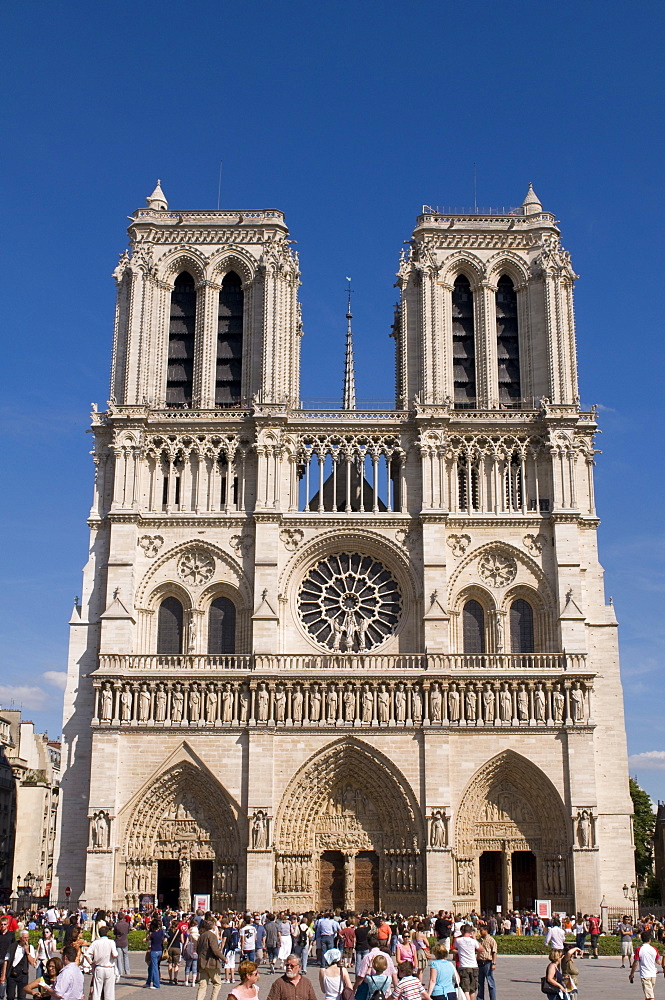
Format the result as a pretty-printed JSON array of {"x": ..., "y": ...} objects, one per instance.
[
  {"x": 196, "y": 567},
  {"x": 349, "y": 602}
]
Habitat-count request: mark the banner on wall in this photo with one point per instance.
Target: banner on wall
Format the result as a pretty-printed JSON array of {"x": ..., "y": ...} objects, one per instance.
[
  {"x": 201, "y": 902},
  {"x": 544, "y": 909}
]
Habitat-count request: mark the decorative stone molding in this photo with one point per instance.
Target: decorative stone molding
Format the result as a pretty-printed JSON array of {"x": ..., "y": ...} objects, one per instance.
[
  {"x": 534, "y": 544},
  {"x": 151, "y": 544},
  {"x": 459, "y": 544},
  {"x": 291, "y": 538},
  {"x": 241, "y": 544},
  {"x": 497, "y": 568},
  {"x": 196, "y": 567}
]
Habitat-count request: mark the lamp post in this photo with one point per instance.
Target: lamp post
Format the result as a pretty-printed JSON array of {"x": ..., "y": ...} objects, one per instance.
[
  {"x": 29, "y": 879},
  {"x": 632, "y": 894}
]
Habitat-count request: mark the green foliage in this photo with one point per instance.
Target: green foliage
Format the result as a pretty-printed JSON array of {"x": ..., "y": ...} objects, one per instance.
[{"x": 644, "y": 822}]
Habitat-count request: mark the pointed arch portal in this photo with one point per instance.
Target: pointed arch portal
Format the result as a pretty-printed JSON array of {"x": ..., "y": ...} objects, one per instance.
[{"x": 349, "y": 833}]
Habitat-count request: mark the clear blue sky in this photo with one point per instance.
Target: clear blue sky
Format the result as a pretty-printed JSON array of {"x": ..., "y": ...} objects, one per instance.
[{"x": 348, "y": 116}]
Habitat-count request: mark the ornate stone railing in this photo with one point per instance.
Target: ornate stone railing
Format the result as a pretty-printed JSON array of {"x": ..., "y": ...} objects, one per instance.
[{"x": 353, "y": 663}]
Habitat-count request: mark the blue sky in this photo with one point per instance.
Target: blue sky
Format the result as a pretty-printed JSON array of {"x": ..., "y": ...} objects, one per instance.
[{"x": 348, "y": 117}]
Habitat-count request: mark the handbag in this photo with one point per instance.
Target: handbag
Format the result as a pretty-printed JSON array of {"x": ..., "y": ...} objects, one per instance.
[
  {"x": 547, "y": 988},
  {"x": 459, "y": 993}
]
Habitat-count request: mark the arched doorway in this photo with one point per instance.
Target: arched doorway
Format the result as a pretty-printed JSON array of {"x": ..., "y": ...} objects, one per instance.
[
  {"x": 181, "y": 839},
  {"x": 512, "y": 839},
  {"x": 349, "y": 833}
]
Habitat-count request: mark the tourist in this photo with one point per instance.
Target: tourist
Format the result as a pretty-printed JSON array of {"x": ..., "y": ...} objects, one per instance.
[
  {"x": 230, "y": 945},
  {"x": 301, "y": 944},
  {"x": 19, "y": 959},
  {"x": 333, "y": 979},
  {"x": 121, "y": 930},
  {"x": 347, "y": 936},
  {"x": 421, "y": 942},
  {"x": 189, "y": 952},
  {"x": 272, "y": 939},
  {"x": 102, "y": 955},
  {"x": 292, "y": 985},
  {"x": 209, "y": 954},
  {"x": 442, "y": 928},
  {"x": 326, "y": 930},
  {"x": 174, "y": 950},
  {"x": 6, "y": 938},
  {"x": 443, "y": 976},
  {"x": 594, "y": 934},
  {"x": 569, "y": 969},
  {"x": 361, "y": 943},
  {"x": 46, "y": 948},
  {"x": 377, "y": 982},
  {"x": 580, "y": 932},
  {"x": 486, "y": 964},
  {"x": 39, "y": 987},
  {"x": 409, "y": 986},
  {"x": 69, "y": 982},
  {"x": 625, "y": 930},
  {"x": 285, "y": 940},
  {"x": 248, "y": 988},
  {"x": 556, "y": 936},
  {"x": 405, "y": 950},
  {"x": 553, "y": 978},
  {"x": 248, "y": 941},
  {"x": 155, "y": 947},
  {"x": 646, "y": 959},
  {"x": 368, "y": 962},
  {"x": 466, "y": 948},
  {"x": 260, "y": 933}
]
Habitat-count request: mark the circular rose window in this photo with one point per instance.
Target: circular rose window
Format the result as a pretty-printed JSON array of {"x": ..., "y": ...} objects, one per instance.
[{"x": 349, "y": 602}]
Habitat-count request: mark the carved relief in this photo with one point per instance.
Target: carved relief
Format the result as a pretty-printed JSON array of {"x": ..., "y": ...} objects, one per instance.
[
  {"x": 260, "y": 830},
  {"x": 534, "y": 544},
  {"x": 241, "y": 544},
  {"x": 291, "y": 538},
  {"x": 99, "y": 830},
  {"x": 466, "y": 882},
  {"x": 459, "y": 544},
  {"x": 151, "y": 544},
  {"x": 196, "y": 567},
  {"x": 497, "y": 569},
  {"x": 438, "y": 829}
]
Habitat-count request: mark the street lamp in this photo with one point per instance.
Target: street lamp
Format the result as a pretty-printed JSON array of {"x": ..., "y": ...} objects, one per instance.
[{"x": 632, "y": 894}]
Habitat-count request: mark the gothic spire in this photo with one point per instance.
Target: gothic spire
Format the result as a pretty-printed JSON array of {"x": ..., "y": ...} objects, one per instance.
[
  {"x": 349, "y": 398},
  {"x": 157, "y": 199}
]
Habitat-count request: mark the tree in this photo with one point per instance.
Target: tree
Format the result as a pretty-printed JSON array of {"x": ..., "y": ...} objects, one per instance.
[{"x": 644, "y": 822}]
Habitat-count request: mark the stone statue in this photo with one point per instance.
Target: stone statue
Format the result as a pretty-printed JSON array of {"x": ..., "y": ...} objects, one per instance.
[
  {"x": 227, "y": 704},
  {"x": 315, "y": 704},
  {"x": 499, "y": 632},
  {"x": 505, "y": 704},
  {"x": 144, "y": 704},
  {"x": 280, "y": 703},
  {"x": 191, "y": 637},
  {"x": 177, "y": 704},
  {"x": 349, "y": 704},
  {"x": 126, "y": 704},
  {"x": 453, "y": 704},
  {"x": 332, "y": 700},
  {"x": 522, "y": 704},
  {"x": 417, "y": 704},
  {"x": 362, "y": 633},
  {"x": 194, "y": 704},
  {"x": 437, "y": 836},
  {"x": 539, "y": 704},
  {"x": 263, "y": 699},
  {"x": 488, "y": 703},
  {"x": 367, "y": 700},
  {"x": 211, "y": 705},
  {"x": 337, "y": 635},
  {"x": 100, "y": 830},
  {"x": 384, "y": 704},
  {"x": 243, "y": 698},
  {"x": 279, "y": 876},
  {"x": 435, "y": 703},
  {"x": 558, "y": 702},
  {"x": 160, "y": 704},
  {"x": 297, "y": 703},
  {"x": 400, "y": 703},
  {"x": 470, "y": 705},
  {"x": 577, "y": 703},
  {"x": 584, "y": 829},
  {"x": 259, "y": 831},
  {"x": 106, "y": 702}
]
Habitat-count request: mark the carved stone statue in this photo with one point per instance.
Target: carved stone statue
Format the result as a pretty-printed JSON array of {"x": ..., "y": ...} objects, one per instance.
[
  {"x": 177, "y": 703},
  {"x": 106, "y": 702},
  {"x": 160, "y": 704},
  {"x": 400, "y": 703},
  {"x": 315, "y": 704},
  {"x": 384, "y": 704},
  {"x": 470, "y": 705},
  {"x": 100, "y": 830},
  {"x": 453, "y": 704},
  {"x": 211, "y": 704},
  {"x": 227, "y": 704},
  {"x": 558, "y": 703},
  {"x": 522, "y": 704},
  {"x": 583, "y": 829},
  {"x": 144, "y": 704},
  {"x": 367, "y": 700},
  {"x": 297, "y": 703},
  {"x": 539, "y": 704},
  {"x": 259, "y": 831},
  {"x": 435, "y": 703},
  {"x": 332, "y": 699},
  {"x": 280, "y": 703},
  {"x": 263, "y": 700},
  {"x": 499, "y": 632},
  {"x": 577, "y": 703},
  {"x": 417, "y": 704},
  {"x": 194, "y": 704},
  {"x": 349, "y": 704},
  {"x": 488, "y": 703},
  {"x": 243, "y": 699},
  {"x": 279, "y": 876},
  {"x": 505, "y": 704},
  {"x": 437, "y": 836}
]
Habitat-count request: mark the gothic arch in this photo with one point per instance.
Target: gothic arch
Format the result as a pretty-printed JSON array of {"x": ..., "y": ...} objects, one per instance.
[
  {"x": 390, "y": 818},
  {"x": 506, "y": 262},
  {"x": 178, "y": 260},
  {"x": 223, "y": 562},
  {"x": 528, "y": 572},
  {"x": 465, "y": 263},
  {"x": 226, "y": 260}
]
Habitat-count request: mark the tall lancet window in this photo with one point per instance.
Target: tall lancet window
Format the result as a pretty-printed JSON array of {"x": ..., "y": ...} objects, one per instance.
[
  {"x": 222, "y": 626},
  {"x": 169, "y": 626},
  {"x": 179, "y": 378},
  {"x": 229, "y": 341},
  {"x": 473, "y": 627},
  {"x": 521, "y": 627},
  {"x": 464, "y": 346},
  {"x": 507, "y": 343}
]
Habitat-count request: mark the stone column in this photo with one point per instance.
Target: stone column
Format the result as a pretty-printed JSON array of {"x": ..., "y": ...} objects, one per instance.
[
  {"x": 350, "y": 880},
  {"x": 507, "y": 879},
  {"x": 185, "y": 893}
]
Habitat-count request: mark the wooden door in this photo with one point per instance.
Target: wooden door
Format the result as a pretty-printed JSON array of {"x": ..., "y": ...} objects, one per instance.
[
  {"x": 367, "y": 882},
  {"x": 331, "y": 880}
]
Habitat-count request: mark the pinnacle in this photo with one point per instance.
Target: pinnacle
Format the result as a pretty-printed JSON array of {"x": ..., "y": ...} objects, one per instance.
[
  {"x": 157, "y": 199},
  {"x": 531, "y": 203}
]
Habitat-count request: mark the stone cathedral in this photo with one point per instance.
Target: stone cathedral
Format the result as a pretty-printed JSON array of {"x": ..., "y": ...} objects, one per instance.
[{"x": 344, "y": 657}]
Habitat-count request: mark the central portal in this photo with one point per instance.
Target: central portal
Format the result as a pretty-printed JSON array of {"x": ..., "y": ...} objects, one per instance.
[
  {"x": 524, "y": 879},
  {"x": 490, "y": 881},
  {"x": 331, "y": 880},
  {"x": 367, "y": 881}
]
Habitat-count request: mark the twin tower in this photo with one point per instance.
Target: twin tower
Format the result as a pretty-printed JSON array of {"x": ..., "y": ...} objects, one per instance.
[{"x": 344, "y": 658}]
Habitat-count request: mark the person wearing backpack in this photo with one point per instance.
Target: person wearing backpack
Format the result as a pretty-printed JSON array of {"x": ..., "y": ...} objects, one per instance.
[
  {"x": 189, "y": 952},
  {"x": 301, "y": 944}
]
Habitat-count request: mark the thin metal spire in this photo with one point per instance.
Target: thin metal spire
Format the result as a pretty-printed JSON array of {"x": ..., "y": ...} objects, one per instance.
[{"x": 349, "y": 399}]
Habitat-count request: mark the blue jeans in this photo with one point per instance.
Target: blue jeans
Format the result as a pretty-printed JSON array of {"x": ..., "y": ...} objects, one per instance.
[
  {"x": 249, "y": 955},
  {"x": 486, "y": 975},
  {"x": 153, "y": 969},
  {"x": 359, "y": 957},
  {"x": 326, "y": 942},
  {"x": 302, "y": 951}
]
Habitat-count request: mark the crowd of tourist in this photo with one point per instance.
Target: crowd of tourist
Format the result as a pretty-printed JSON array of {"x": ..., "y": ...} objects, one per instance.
[{"x": 442, "y": 956}]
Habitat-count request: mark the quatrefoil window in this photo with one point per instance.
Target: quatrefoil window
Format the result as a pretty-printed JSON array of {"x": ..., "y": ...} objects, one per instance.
[{"x": 349, "y": 602}]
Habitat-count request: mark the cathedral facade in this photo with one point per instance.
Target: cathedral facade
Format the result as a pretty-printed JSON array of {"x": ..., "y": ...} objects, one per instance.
[{"x": 344, "y": 658}]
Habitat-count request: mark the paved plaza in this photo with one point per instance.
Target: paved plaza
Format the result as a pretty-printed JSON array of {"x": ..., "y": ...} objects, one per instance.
[{"x": 518, "y": 978}]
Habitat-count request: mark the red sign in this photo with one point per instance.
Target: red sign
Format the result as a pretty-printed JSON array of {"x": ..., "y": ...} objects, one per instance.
[{"x": 68, "y": 891}]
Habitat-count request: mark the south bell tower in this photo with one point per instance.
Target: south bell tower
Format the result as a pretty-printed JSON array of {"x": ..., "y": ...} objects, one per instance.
[{"x": 344, "y": 657}]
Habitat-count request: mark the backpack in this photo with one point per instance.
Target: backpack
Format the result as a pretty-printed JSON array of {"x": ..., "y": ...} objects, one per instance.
[
  {"x": 302, "y": 939},
  {"x": 234, "y": 940},
  {"x": 378, "y": 993}
]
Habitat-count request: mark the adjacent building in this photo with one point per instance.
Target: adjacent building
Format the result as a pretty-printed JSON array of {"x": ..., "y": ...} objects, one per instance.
[{"x": 350, "y": 658}]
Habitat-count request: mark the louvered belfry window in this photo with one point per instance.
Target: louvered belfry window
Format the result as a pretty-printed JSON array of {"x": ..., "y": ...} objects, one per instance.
[
  {"x": 182, "y": 324},
  {"x": 464, "y": 346},
  {"x": 222, "y": 626},
  {"x": 169, "y": 626},
  {"x": 473, "y": 627},
  {"x": 229, "y": 341},
  {"x": 508, "y": 345},
  {"x": 521, "y": 627}
]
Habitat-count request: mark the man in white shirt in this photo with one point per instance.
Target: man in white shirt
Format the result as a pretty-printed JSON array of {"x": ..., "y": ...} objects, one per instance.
[
  {"x": 556, "y": 936},
  {"x": 467, "y": 947},
  {"x": 17, "y": 965},
  {"x": 248, "y": 941},
  {"x": 52, "y": 917},
  {"x": 647, "y": 958},
  {"x": 102, "y": 955},
  {"x": 69, "y": 984}
]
